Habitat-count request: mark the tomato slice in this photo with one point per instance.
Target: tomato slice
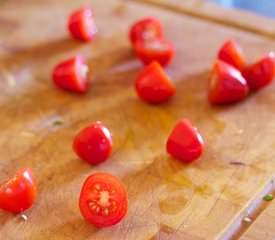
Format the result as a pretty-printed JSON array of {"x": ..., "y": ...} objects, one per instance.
[
  {"x": 232, "y": 54},
  {"x": 103, "y": 200},
  {"x": 145, "y": 29},
  {"x": 82, "y": 25},
  {"x": 185, "y": 142},
  {"x": 226, "y": 84},
  {"x": 71, "y": 75},
  {"x": 153, "y": 85},
  {"x": 94, "y": 143},
  {"x": 261, "y": 73},
  {"x": 159, "y": 50},
  {"x": 18, "y": 193}
]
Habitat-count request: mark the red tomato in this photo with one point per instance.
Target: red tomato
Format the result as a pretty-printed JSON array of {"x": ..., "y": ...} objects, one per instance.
[
  {"x": 156, "y": 49},
  {"x": 82, "y": 24},
  {"x": 232, "y": 54},
  {"x": 153, "y": 85},
  {"x": 18, "y": 193},
  {"x": 145, "y": 29},
  {"x": 185, "y": 143},
  {"x": 103, "y": 200},
  {"x": 71, "y": 75},
  {"x": 94, "y": 143},
  {"x": 226, "y": 84},
  {"x": 260, "y": 74}
]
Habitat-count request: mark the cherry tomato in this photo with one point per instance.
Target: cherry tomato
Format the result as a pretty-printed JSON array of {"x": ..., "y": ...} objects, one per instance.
[
  {"x": 226, "y": 84},
  {"x": 82, "y": 24},
  {"x": 18, "y": 193},
  {"x": 153, "y": 85},
  {"x": 103, "y": 200},
  {"x": 71, "y": 75},
  {"x": 260, "y": 74},
  {"x": 145, "y": 29},
  {"x": 232, "y": 54},
  {"x": 156, "y": 49},
  {"x": 185, "y": 143},
  {"x": 94, "y": 143}
]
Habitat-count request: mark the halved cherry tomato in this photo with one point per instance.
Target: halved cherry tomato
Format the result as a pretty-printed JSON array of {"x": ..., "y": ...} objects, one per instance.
[
  {"x": 232, "y": 54},
  {"x": 71, "y": 75},
  {"x": 94, "y": 143},
  {"x": 157, "y": 49},
  {"x": 260, "y": 74},
  {"x": 185, "y": 143},
  {"x": 226, "y": 84},
  {"x": 103, "y": 200},
  {"x": 82, "y": 24},
  {"x": 153, "y": 85},
  {"x": 18, "y": 193},
  {"x": 146, "y": 29}
]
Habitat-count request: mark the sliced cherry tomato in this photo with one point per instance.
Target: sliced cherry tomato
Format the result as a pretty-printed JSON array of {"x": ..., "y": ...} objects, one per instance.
[
  {"x": 103, "y": 200},
  {"x": 185, "y": 143},
  {"x": 232, "y": 54},
  {"x": 145, "y": 29},
  {"x": 18, "y": 193},
  {"x": 153, "y": 85},
  {"x": 260, "y": 74},
  {"x": 82, "y": 24},
  {"x": 71, "y": 75},
  {"x": 94, "y": 143},
  {"x": 226, "y": 84}
]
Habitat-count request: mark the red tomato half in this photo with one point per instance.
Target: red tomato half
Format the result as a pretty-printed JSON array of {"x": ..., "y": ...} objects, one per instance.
[
  {"x": 145, "y": 29},
  {"x": 153, "y": 85},
  {"x": 103, "y": 200},
  {"x": 156, "y": 49},
  {"x": 18, "y": 193},
  {"x": 82, "y": 24},
  {"x": 226, "y": 84},
  {"x": 260, "y": 74},
  {"x": 232, "y": 54},
  {"x": 185, "y": 143},
  {"x": 94, "y": 143},
  {"x": 71, "y": 75}
]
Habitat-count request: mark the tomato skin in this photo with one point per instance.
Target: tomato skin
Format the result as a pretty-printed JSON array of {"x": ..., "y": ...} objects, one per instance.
[
  {"x": 94, "y": 143},
  {"x": 153, "y": 85},
  {"x": 81, "y": 24},
  {"x": 18, "y": 193},
  {"x": 159, "y": 50},
  {"x": 145, "y": 29},
  {"x": 71, "y": 75},
  {"x": 90, "y": 194},
  {"x": 261, "y": 73},
  {"x": 226, "y": 84},
  {"x": 185, "y": 142},
  {"x": 232, "y": 54}
]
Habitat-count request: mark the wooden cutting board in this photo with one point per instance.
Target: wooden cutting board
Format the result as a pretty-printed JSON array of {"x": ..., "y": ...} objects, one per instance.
[{"x": 206, "y": 199}]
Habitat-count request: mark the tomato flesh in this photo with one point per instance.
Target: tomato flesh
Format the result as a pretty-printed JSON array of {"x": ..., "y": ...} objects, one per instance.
[
  {"x": 103, "y": 200},
  {"x": 185, "y": 142},
  {"x": 18, "y": 193}
]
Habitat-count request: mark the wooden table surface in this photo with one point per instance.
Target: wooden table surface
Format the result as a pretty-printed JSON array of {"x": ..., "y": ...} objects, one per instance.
[{"x": 206, "y": 199}]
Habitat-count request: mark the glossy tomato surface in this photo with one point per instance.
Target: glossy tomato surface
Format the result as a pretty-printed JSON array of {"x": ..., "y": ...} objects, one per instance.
[
  {"x": 185, "y": 142},
  {"x": 18, "y": 193},
  {"x": 103, "y": 200},
  {"x": 153, "y": 85},
  {"x": 94, "y": 143}
]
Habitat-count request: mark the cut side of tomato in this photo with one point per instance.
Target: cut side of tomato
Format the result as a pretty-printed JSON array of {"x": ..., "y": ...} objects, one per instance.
[
  {"x": 226, "y": 84},
  {"x": 18, "y": 193},
  {"x": 185, "y": 143},
  {"x": 153, "y": 85},
  {"x": 260, "y": 74},
  {"x": 103, "y": 200},
  {"x": 71, "y": 75}
]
